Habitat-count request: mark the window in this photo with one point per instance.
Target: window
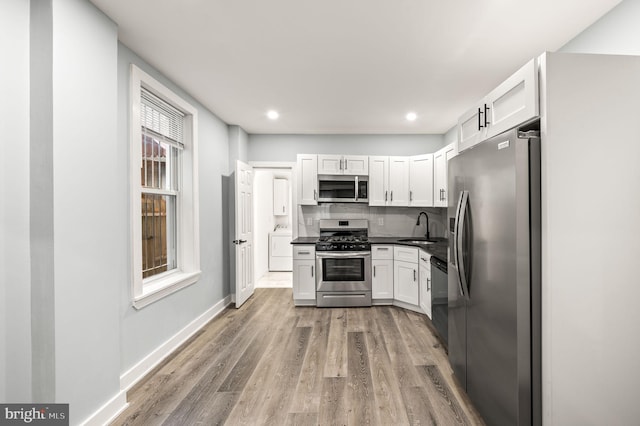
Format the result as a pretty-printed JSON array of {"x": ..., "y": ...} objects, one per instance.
[{"x": 164, "y": 196}]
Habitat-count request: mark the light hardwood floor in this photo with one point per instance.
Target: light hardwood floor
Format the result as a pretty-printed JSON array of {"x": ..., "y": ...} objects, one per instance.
[{"x": 272, "y": 363}]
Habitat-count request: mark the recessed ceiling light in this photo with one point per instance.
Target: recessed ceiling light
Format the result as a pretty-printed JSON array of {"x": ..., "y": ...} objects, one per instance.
[
  {"x": 411, "y": 116},
  {"x": 273, "y": 115}
]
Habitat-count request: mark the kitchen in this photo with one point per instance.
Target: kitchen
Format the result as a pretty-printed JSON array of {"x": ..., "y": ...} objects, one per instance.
[{"x": 87, "y": 319}]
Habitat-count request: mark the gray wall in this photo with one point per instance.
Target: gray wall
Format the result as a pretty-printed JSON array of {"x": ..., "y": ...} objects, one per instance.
[
  {"x": 238, "y": 145},
  {"x": 15, "y": 281},
  {"x": 285, "y": 147},
  {"x": 144, "y": 330},
  {"x": 87, "y": 226},
  {"x": 617, "y": 32}
]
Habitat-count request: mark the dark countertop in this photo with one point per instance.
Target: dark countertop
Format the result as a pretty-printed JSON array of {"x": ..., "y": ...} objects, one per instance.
[
  {"x": 305, "y": 240},
  {"x": 437, "y": 249}
]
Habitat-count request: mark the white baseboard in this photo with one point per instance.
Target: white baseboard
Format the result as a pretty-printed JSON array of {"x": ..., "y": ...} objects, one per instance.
[
  {"x": 148, "y": 363},
  {"x": 109, "y": 411},
  {"x": 408, "y": 306}
]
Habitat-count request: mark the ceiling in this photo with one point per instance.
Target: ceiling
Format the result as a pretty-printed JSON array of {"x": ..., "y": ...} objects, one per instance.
[{"x": 344, "y": 66}]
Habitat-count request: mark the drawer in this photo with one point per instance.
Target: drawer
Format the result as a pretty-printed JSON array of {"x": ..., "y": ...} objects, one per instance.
[
  {"x": 425, "y": 259},
  {"x": 304, "y": 252},
  {"x": 381, "y": 252},
  {"x": 405, "y": 253}
]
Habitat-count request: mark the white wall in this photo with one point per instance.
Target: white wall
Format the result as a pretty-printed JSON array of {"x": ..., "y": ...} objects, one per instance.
[
  {"x": 142, "y": 331},
  {"x": 15, "y": 286},
  {"x": 590, "y": 291},
  {"x": 590, "y": 315},
  {"x": 285, "y": 147},
  {"x": 617, "y": 32}
]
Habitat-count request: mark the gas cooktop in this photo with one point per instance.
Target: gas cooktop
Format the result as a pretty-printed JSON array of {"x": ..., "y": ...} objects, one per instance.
[{"x": 343, "y": 235}]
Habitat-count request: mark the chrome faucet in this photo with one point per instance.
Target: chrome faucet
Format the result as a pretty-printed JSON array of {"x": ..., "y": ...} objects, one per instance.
[{"x": 426, "y": 235}]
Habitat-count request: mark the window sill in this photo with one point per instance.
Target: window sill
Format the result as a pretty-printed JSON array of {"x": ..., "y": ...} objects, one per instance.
[{"x": 158, "y": 289}]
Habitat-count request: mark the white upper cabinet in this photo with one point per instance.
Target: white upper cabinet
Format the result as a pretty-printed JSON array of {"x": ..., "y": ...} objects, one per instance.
[
  {"x": 511, "y": 103},
  {"x": 378, "y": 181},
  {"x": 421, "y": 180},
  {"x": 307, "y": 179},
  {"x": 471, "y": 129},
  {"x": 356, "y": 165},
  {"x": 329, "y": 164},
  {"x": 514, "y": 101},
  {"x": 280, "y": 197},
  {"x": 343, "y": 165},
  {"x": 440, "y": 166},
  {"x": 398, "y": 181}
]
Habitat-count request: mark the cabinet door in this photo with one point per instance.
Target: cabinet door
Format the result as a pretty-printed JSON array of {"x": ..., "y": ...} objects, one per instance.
[
  {"x": 378, "y": 181},
  {"x": 307, "y": 179},
  {"x": 382, "y": 279},
  {"x": 440, "y": 167},
  {"x": 356, "y": 165},
  {"x": 514, "y": 101},
  {"x": 425, "y": 283},
  {"x": 280, "y": 197},
  {"x": 398, "y": 181},
  {"x": 330, "y": 164},
  {"x": 405, "y": 282},
  {"x": 471, "y": 128},
  {"x": 304, "y": 279},
  {"x": 421, "y": 180}
]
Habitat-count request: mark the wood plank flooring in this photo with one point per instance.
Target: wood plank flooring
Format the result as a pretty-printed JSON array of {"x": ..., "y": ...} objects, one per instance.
[{"x": 270, "y": 363}]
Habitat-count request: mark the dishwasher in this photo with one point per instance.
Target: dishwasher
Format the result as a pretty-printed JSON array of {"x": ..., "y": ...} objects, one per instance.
[{"x": 439, "y": 297}]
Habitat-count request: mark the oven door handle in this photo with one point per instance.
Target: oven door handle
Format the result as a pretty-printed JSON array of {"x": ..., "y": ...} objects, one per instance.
[{"x": 344, "y": 254}]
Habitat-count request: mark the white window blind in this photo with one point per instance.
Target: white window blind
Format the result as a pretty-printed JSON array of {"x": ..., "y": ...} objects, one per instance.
[{"x": 161, "y": 119}]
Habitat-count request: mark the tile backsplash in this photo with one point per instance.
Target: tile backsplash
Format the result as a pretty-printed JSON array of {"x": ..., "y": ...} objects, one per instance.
[{"x": 383, "y": 221}]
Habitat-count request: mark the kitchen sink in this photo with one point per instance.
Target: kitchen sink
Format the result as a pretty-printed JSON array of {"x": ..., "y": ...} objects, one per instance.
[{"x": 417, "y": 241}]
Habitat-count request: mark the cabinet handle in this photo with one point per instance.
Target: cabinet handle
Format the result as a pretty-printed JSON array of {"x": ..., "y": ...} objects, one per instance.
[
  {"x": 346, "y": 164},
  {"x": 374, "y": 271},
  {"x": 410, "y": 195},
  {"x": 282, "y": 209},
  {"x": 444, "y": 195},
  {"x": 392, "y": 196},
  {"x": 312, "y": 270},
  {"x": 486, "y": 115},
  {"x": 480, "y": 119},
  {"x": 414, "y": 275},
  {"x": 304, "y": 252},
  {"x": 385, "y": 196},
  {"x": 428, "y": 284},
  {"x": 382, "y": 248},
  {"x": 315, "y": 195},
  {"x": 341, "y": 164}
]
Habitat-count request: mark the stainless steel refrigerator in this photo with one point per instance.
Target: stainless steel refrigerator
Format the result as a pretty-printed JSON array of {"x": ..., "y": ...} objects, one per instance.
[{"x": 494, "y": 276}]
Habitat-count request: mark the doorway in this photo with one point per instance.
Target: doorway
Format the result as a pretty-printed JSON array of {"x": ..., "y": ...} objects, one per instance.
[{"x": 273, "y": 224}]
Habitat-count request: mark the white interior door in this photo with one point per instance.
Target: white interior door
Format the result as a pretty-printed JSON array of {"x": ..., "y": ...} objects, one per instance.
[{"x": 243, "y": 232}]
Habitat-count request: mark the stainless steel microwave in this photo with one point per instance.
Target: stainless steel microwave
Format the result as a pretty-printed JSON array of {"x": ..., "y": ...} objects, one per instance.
[{"x": 343, "y": 189}]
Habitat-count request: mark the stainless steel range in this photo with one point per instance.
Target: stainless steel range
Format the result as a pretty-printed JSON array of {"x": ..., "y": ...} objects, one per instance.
[{"x": 343, "y": 262}]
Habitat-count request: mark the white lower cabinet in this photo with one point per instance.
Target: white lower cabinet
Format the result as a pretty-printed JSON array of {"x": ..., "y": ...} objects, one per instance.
[
  {"x": 304, "y": 275},
  {"x": 405, "y": 275},
  {"x": 382, "y": 274},
  {"x": 425, "y": 282}
]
